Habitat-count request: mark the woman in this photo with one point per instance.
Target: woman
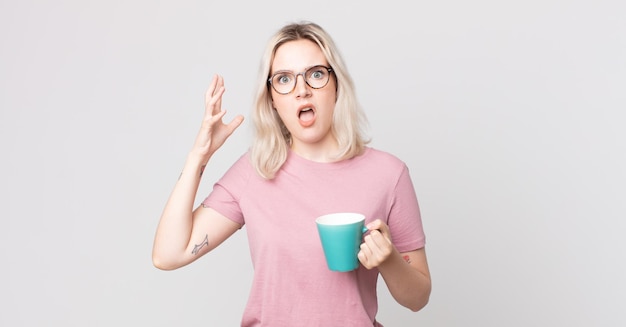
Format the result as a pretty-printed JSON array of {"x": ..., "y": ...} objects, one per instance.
[{"x": 309, "y": 158}]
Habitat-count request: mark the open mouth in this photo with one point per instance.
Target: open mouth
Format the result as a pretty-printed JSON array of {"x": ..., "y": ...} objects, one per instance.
[{"x": 306, "y": 114}]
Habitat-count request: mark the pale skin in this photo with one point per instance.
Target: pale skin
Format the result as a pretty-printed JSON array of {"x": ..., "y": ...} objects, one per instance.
[
  {"x": 184, "y": 234},
  {"x": 182, "y": 231}
]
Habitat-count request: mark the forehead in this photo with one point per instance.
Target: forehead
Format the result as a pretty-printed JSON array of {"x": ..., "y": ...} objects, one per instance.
[{"x": 298, "y": 55}]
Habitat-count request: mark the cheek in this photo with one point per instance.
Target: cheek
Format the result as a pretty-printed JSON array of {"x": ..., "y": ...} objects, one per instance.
[
  {"x": 280, "y": 111},
  {"x": 282, "y": 114},
  {"x": 279, "y": 104},
  {"x": 330, "y": 102}
]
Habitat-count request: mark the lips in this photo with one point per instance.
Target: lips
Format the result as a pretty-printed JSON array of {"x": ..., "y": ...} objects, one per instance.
[{"x": 306, "y": 115}]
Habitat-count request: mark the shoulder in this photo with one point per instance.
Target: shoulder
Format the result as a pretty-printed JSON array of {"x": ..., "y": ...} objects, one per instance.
[
  {"x": 382, "y": 158},
  {"x": 379, "y": 165},
  {"x": 244, "y": 159},
  {"x": 240, "y": 170},
  {"x": 242, "y": 163}
]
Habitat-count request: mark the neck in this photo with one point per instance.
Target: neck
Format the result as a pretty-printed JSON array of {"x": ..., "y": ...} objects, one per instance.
[{"x": 319, "y": 152}]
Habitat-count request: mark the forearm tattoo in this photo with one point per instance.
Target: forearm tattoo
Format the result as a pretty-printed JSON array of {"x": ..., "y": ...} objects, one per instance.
[
  {"x": 407, "y": 259},
  {"x": 204, "y": 243},
  {"x": 201, "y": 172}
]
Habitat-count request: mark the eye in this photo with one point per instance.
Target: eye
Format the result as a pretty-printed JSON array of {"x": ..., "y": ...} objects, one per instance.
[
  {"x": 318, "y": 73},
  {"x": 283, "y": 78}
]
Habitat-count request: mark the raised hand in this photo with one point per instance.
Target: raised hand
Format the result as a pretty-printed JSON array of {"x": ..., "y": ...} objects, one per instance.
[{"x": 213, "y": 132}]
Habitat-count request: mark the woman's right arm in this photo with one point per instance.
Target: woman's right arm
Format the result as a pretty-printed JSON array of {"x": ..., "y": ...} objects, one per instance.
[{"x": 185, "y": 234}]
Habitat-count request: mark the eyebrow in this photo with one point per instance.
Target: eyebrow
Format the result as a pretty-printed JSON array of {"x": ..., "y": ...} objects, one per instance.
[{"x": 291, "y": 71}]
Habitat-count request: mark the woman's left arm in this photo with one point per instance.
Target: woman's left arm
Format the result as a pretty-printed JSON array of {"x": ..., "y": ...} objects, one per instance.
[{"x": 406, "y": 274}]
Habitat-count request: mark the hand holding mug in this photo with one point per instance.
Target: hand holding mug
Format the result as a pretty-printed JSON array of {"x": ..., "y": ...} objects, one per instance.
[{"x": 376, "y": 246}]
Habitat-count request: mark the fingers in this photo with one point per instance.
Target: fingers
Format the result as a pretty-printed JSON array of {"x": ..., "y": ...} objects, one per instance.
[
  {"x": 213, "y": 96},
  {"x": 213, "y": 104},
  {"x": 376, "y": 246},
  {"x": 213, "y": 132},
  {"x": 379, "y": 225},
  {"x": 230, "y": 127},
  {"x": 235, "y": 123},
  {"x": 363, "y": 257},
  {"x": 375, "y": 250}
]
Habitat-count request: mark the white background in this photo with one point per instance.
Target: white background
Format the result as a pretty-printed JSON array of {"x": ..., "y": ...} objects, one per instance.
[{"x": 510, "y": 115}]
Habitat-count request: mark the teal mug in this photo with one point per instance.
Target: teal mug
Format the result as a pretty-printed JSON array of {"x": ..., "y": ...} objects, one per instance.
[{"x": 341, "y": 235}]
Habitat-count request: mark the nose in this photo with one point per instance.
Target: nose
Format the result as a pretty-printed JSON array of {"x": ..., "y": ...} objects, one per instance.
[{"x": 302, "y": 88}]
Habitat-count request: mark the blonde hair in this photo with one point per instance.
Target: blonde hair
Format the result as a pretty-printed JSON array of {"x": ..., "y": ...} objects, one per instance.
[{"x": 272, "y": 140}]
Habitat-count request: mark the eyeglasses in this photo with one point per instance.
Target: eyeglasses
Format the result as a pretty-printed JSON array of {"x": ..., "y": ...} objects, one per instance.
[{"x": 284, "y": 82}]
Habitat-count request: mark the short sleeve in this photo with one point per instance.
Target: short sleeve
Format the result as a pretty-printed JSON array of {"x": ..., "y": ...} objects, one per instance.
[
  {"x": 405, "y": 222},
  {"x": 226, "y": 193}
]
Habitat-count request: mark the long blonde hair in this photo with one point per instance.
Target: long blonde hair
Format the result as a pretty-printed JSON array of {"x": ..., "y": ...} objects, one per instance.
[{"x": 272, "y": 140}]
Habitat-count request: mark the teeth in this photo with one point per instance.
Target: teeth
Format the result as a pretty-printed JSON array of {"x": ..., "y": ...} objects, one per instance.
[{"x": 304, "y": 110}]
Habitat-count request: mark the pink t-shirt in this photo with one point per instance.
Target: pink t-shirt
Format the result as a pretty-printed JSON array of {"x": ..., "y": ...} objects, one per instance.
[{"x": 292, "y": 285}]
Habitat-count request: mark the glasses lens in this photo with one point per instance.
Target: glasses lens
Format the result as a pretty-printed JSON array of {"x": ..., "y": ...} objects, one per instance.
[
  {"x": 317, "y": 76},
  {"x": 283, "y": 82}
]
